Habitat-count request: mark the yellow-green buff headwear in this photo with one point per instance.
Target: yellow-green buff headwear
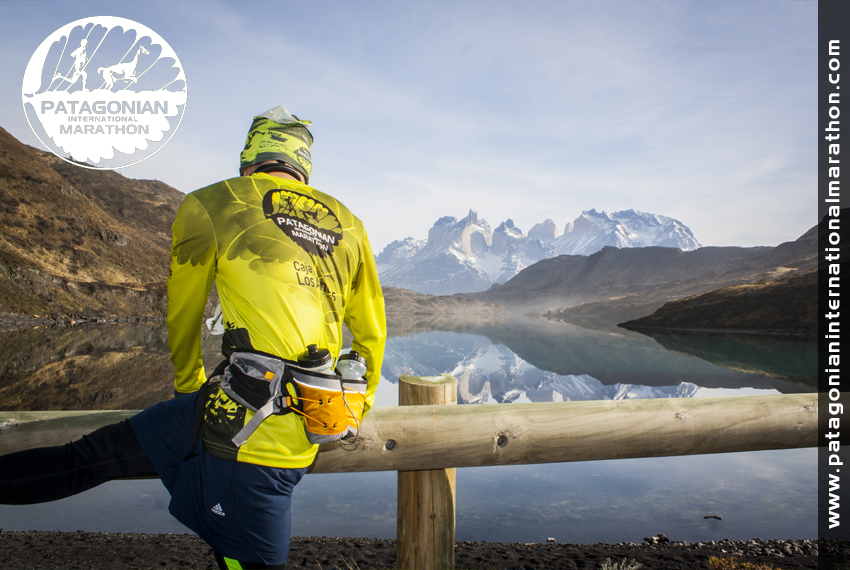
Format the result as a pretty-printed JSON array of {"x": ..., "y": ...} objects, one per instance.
[{"x": 277, "y": 135}]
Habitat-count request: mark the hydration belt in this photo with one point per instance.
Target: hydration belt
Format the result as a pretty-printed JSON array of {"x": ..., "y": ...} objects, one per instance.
[{"x": 330, "y": 406}]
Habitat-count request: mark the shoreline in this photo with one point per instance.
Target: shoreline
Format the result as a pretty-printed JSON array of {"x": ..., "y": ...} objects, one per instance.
[
  {"x": 777, "y": 333},
  {"x": 38, "y": 550},
  {"x": 12, "y": 321}
]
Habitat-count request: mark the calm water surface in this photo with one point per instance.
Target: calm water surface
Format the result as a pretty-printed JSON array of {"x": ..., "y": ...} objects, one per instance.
[{"x": 767, "y": 494}]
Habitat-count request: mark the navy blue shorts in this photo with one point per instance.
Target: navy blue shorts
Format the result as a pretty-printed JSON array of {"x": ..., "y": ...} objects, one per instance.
[{"x": 241, "y": 510}]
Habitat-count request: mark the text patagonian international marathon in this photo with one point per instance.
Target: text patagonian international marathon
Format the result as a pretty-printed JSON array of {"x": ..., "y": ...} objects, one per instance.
[{"x": 104, "y": 112}]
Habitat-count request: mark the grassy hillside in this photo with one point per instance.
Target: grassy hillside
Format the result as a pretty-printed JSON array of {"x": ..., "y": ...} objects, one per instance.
[{"x": 75, "y": 241}]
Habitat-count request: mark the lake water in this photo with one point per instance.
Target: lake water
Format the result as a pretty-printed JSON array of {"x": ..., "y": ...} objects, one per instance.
[{"x": 767, "y": 494}]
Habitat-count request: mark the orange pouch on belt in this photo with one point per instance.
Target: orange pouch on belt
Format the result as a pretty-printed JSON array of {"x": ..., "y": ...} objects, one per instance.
[{"x": 319, "y": 398}]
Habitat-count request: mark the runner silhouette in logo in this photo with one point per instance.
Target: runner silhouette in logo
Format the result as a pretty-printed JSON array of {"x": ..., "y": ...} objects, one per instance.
[
  {"x": 128, "y": 70},
  {"x": 80, "y": 61}
]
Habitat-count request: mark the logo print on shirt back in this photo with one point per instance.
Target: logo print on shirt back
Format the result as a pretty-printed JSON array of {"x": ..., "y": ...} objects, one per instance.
[{"x": 309, "y": 223}]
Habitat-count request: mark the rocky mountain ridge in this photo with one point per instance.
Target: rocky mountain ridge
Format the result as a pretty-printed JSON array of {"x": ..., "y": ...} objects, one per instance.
[
  {"x": 592, "y": 231},
  {"x": 465, "y": 256}
]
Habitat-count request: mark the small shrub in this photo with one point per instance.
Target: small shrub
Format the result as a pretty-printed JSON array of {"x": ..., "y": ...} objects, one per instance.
[
  {"x": 715, "y": 563},
  {"x": 623, "y": 564}
]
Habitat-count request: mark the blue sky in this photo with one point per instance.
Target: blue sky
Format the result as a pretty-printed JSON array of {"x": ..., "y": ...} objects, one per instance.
[{"x": 701, "y": 111}]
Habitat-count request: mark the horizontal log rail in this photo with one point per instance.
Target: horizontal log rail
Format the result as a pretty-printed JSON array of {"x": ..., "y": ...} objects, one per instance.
[{"x": 436, "y": 437}]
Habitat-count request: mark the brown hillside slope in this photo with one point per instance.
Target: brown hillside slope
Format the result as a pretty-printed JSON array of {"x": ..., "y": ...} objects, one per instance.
[
  {"x": 80, "y": 242},
  {"x": 614, "y": 285},
  {"x": 784, "y": 306}
]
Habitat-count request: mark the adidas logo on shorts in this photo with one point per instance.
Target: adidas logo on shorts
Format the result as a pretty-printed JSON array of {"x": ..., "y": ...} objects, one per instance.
[{"x": 217, "y": 510}]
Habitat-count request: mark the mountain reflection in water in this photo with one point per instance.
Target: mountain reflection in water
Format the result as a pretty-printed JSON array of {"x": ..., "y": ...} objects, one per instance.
[
  {"x": 97, "y": 367},
  {"x": 526, "y": 359},
  {"x": 89, "y": 367},
  {"x": 126, "y": 366}
]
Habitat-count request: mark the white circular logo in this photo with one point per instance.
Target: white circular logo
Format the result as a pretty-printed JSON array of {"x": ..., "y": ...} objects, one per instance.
[{"x": 105, "y": 91}]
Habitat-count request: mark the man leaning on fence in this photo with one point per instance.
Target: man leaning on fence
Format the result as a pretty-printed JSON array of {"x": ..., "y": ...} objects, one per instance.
[{"x": 291, "y": 265}]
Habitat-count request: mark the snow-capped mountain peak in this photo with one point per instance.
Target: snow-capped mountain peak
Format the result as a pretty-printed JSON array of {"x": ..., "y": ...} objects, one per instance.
[
  {"x": 593, "y": 230},
  {"x": 544, "y": 231},
  {"x": 398, "y": 252},
  {"x": 464, "y": 256}
]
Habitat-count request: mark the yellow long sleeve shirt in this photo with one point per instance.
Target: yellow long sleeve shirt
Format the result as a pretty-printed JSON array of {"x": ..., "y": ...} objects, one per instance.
[{"x": 291, "y": 264}]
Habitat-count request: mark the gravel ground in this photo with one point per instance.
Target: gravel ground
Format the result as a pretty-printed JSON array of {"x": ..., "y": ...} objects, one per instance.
[{"x": 120, "y": 551}]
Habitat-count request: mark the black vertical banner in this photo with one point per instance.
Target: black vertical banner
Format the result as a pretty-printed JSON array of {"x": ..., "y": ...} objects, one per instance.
[{"x": 833, "y": 132}]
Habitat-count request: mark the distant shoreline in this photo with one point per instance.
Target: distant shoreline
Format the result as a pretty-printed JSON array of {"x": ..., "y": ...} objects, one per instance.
[
  {"x": 791, "y": 333},
  {"x": 11, "y": 321}
]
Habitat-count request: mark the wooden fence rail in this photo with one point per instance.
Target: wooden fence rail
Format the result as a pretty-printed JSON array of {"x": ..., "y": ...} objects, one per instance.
[
  {"x": 436, "y": 437},
  {"x": 425, "y": 442}
]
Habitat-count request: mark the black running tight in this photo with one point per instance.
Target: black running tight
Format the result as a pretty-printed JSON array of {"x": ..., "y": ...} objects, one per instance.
[{"x": 52, "y": 473}]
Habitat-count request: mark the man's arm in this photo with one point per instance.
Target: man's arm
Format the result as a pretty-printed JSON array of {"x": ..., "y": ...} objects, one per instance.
[
  {"x": 190, "y": 278},
  {"x": 366, "y": 320}
]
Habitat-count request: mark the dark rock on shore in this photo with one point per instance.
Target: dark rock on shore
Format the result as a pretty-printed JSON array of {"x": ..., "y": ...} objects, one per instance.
[{"x": 120, "y": 551}]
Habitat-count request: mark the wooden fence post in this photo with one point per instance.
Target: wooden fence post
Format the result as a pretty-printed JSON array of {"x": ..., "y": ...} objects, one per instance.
[{"x": 426, "y": 499}]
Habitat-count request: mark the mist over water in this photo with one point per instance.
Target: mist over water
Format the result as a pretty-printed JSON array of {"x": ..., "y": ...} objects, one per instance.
[{"x": 769, "y": 494}]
